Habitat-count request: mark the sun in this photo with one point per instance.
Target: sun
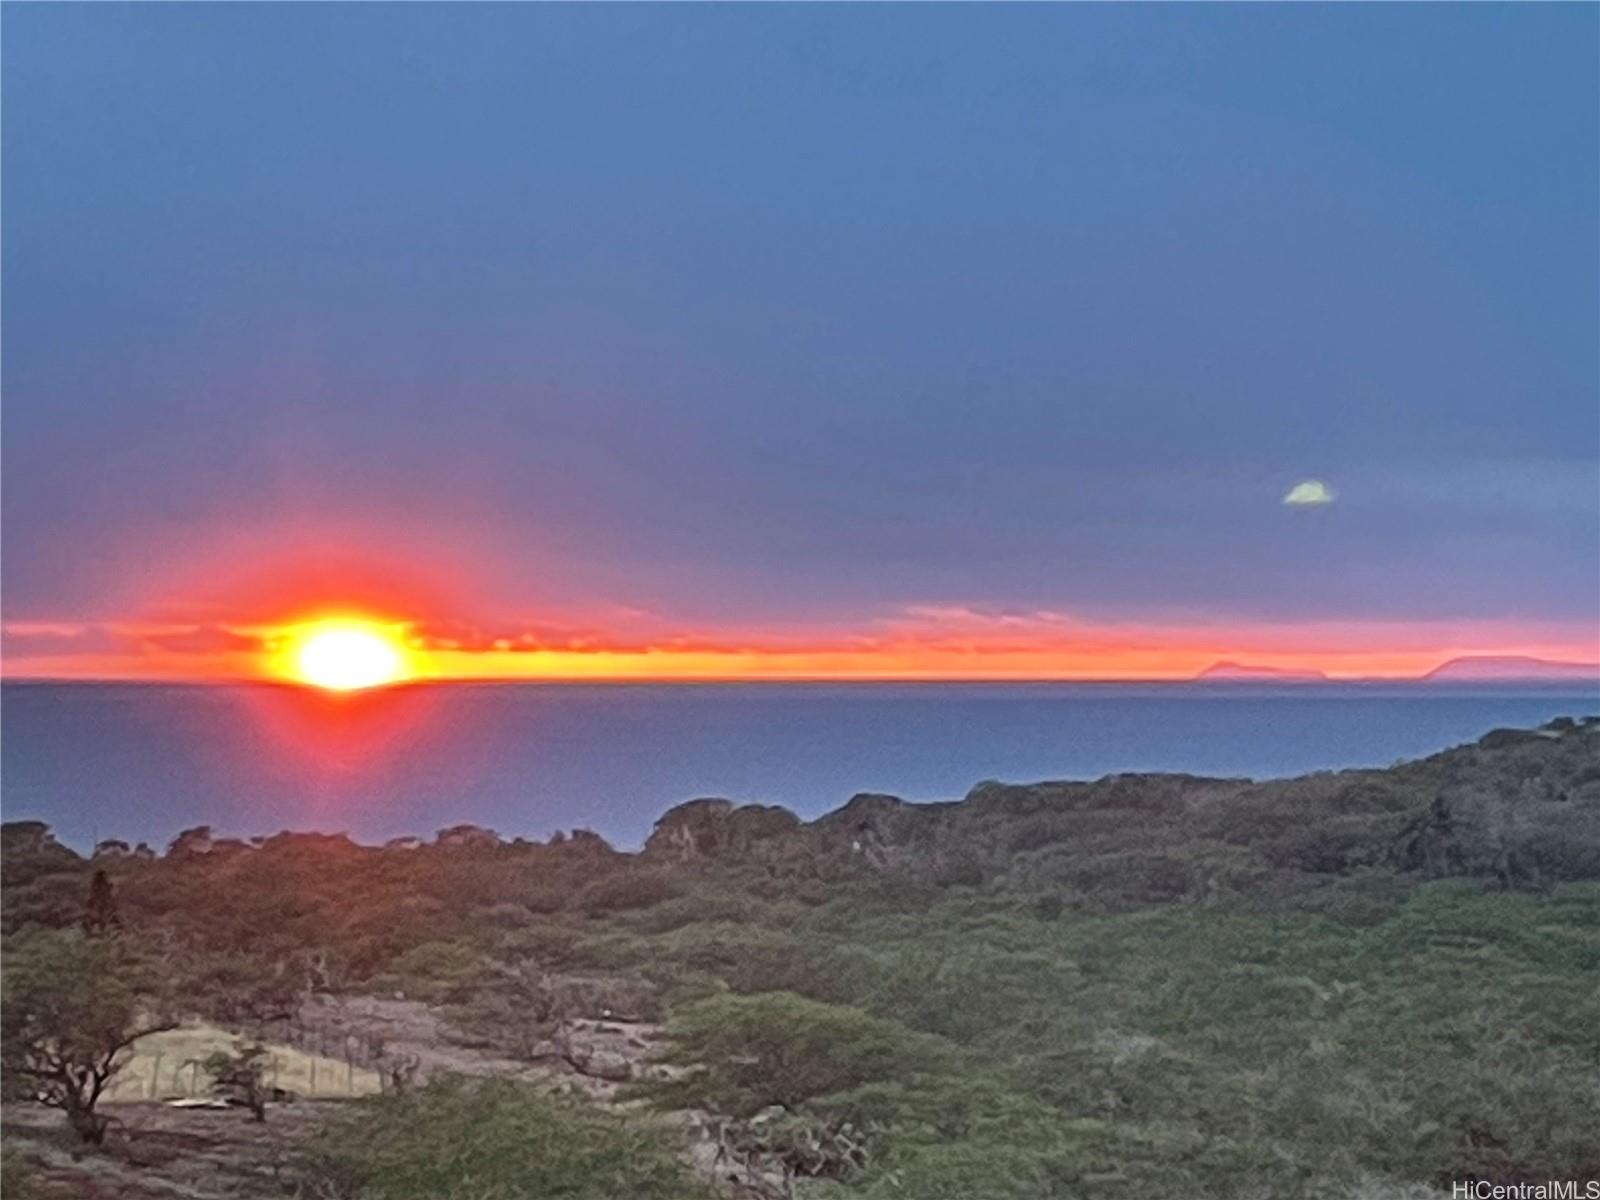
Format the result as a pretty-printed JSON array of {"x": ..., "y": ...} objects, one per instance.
[{"x": 348, "y": 655}]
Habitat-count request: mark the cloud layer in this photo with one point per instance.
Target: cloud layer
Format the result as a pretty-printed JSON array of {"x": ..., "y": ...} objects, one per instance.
[{"x": 926, "y": 641}]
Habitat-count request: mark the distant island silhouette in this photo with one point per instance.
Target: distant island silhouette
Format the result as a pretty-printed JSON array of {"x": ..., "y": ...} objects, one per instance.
[
  {"x": 1246, "y": 671},
  {"x": 1510, "y": 667},
  {"x": 1467, "y": 668}
]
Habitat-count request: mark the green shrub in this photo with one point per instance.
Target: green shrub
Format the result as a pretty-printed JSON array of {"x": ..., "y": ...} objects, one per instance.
[
  {"x": 18, "y": 1180},
  {"x": 751, "y": 960},
  {"x": 640, "y": 888},
  {"x": 747, "y": 1053},
  {"x": 698, "y": 906},
  {"x": 492, "y": 1140},
  {"x": 437, "y": 972}
]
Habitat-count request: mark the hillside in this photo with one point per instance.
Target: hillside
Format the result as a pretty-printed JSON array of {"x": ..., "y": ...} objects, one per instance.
[
  {"x": 1144, "y": 985},
  {"x": 1521, "y": 807}
]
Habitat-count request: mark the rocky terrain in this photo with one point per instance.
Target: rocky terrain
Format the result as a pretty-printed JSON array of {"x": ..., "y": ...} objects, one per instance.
[{"x": 1521, "y": 807}]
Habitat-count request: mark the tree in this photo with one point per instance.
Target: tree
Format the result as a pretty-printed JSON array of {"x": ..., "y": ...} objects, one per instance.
[
  {"x": 517, "y": 1008},
  {"x": 396, "y": 1072},
  {"x": 71, "y": 1010},
  {"x": 100, "y": 915},
  {"x": 743, "y": 1054},
  {"x": 240, "y": 1074}
]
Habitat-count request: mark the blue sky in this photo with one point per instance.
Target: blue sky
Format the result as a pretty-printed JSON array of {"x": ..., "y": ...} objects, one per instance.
[{"x": 787, "y": 316}]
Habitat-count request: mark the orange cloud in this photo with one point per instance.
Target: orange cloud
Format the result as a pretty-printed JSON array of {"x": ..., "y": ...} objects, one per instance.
[{"x": 918, "y": 642}]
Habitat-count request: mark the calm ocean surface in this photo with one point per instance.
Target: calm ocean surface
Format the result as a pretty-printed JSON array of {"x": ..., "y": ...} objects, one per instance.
[{"x": 142, "y": 762}]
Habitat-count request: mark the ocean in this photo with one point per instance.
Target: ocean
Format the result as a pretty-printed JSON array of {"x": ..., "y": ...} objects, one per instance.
[{"x": 142, "y": 761}]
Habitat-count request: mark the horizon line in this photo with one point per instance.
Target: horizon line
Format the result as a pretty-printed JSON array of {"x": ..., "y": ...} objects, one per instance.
[{"x": 1287, "y": 679}]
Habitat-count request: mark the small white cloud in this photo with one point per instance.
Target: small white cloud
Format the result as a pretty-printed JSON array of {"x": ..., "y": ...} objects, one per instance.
[{"x": 1309, "y": 493}]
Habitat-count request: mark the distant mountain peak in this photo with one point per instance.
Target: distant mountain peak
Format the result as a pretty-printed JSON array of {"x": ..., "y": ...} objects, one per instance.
[
  {"x": 1233, "y": 670},
  {"x": 1511, "y": 666}
]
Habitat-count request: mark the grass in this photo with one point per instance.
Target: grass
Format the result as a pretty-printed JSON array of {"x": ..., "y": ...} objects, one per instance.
[
  {"x": 493, "y": 1140},
  {"x": 164, "y": 1065}
]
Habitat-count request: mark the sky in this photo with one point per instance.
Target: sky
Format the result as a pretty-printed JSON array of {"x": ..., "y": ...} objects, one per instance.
[{"x": 768, "y": 341}]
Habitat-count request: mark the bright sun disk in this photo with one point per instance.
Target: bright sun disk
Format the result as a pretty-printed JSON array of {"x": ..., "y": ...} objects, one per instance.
[{"x": 347, "y": 656}]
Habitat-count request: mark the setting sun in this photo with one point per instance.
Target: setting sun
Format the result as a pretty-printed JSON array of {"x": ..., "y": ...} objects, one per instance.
[{"x": 345, "y": 656}]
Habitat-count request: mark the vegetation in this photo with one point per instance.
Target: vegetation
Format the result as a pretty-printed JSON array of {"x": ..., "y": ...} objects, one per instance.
[
  {"x": 491, "y": 1140},
  {"x": 1149, "y": 986},
  {"x": 1186, "y": 1050},
  {"x": 100, "y": 915},
  {"x": 17, "y": 1178},
  {"x": 70, "y": 1011},
  {"x": 240, "y": 1073}
]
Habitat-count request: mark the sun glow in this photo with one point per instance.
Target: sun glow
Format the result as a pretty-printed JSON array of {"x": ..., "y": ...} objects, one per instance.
[{"x": 346, "y": 656}]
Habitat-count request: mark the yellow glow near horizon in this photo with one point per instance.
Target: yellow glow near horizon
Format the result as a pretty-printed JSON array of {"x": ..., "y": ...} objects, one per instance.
[{"x": 348, "y": 655}]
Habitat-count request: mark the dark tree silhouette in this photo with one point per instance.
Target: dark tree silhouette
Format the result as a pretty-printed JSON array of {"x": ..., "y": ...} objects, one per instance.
[
  {"x": 240, "y": 1075},
  {"x": 100, "y": 915}
]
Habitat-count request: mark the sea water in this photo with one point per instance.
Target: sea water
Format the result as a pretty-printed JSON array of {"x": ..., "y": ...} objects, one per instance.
[{"x": 141, "y": 762}]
